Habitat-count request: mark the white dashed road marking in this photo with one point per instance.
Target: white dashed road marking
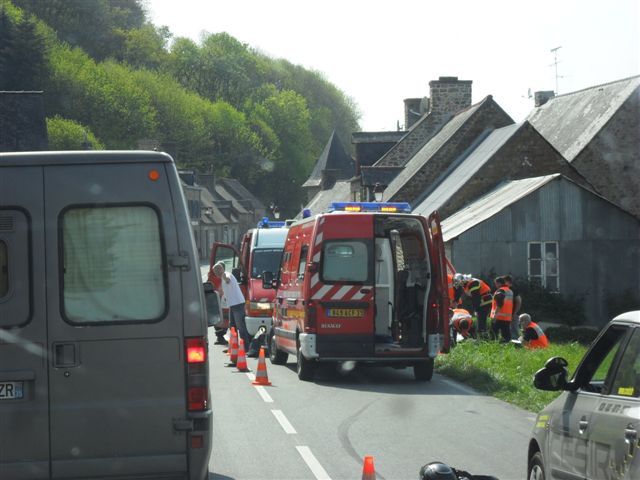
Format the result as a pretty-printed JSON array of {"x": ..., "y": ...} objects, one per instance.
[
  {"x": 312, "y": 463},
  {"x": 260, "y": 389},
  {"x": 284, "y": 423}
]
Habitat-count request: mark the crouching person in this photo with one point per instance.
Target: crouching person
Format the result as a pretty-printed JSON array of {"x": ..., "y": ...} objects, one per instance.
[{"x": 532, "y": 335}]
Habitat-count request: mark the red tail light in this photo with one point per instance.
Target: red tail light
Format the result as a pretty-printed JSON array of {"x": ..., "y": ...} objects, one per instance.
[
  {"x": 196, "y": 349},
  {"x": 311, "y": 317},
  {"x": 197, "y": 398}
]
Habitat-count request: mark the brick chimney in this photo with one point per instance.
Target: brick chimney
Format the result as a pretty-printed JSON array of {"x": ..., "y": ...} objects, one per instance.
[
  {"x": 449, "y": 95},
  {"x": 207, "y": 180},
  {"x": 542, "y": 97}
]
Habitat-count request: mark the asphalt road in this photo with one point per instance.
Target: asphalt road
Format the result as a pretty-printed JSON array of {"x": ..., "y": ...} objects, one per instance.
[{"x": 323, "y": 429}]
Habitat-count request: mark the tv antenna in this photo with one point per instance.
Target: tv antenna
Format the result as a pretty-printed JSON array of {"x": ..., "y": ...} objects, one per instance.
[{"x": 555, "y": 64}]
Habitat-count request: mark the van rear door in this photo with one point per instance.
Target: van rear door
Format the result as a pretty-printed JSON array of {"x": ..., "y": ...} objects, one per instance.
[
  {"x": 438, "y": 319},
  {"x": 342, "y": 289},
  {"x": 115, "y": 316},
  {"x": 24, "y": 397}
]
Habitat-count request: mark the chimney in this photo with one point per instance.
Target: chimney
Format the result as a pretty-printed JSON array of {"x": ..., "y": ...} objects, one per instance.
[
  {"x": 449, "y": 95},
  {"x": 412, "y": 112},
  {"x": 207, "y": 180},
  {"x": 187, "y": 176},
  {"x": 540, "y": 98}
]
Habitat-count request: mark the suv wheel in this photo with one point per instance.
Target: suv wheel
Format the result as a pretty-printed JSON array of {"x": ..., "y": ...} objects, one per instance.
[
  {"x": 305, "y": 368},
  {"x": 423, "y": 371},
  {"x": 536, "y": 467},
  {"x": 277, "y": 356}
]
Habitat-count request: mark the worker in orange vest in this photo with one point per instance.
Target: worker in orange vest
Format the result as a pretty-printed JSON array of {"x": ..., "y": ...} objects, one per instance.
[
  {"x": 502, "y": 310},
  {"x": 480, "y": 294},
  {"x": 462, "y": 322},
  {"x": 455, "y": 291},
  {"x": 532, "y": 335}
]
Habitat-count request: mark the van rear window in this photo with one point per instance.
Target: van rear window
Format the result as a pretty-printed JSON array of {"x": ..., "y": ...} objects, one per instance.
[
  {"x": 346, "y": 261},
  {"x": 4, "y": 270},
  {"x": 113, "y": 265}
]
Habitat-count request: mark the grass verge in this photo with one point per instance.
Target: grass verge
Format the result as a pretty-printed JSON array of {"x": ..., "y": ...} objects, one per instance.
[{"x": 505, "y": 372}]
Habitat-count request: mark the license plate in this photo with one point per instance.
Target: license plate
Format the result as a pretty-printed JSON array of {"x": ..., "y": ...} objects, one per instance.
[
  {"x": 11, "y": 390},
  {"x": 345, "y": 312}
]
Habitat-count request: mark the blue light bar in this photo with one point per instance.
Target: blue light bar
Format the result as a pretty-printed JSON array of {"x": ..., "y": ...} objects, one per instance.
[
  {"x": 383, "y": 207},
  {"x": 266, "y": 223}
]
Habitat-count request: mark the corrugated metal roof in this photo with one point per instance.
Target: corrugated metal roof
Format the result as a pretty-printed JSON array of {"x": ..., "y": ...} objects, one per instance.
[
  {"x": 570, "y": 121},
  {"x": 429, "y": 150},
  {"x": 491, "y": 204},
  {"x": 341, "y": 192},
  {"x": 463, "y": 170}
]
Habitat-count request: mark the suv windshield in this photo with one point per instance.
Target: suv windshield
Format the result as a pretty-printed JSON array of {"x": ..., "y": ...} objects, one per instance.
[{"x": 265, "y": 260}]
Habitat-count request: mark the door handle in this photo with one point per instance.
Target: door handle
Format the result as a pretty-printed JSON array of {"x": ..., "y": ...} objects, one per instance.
[
  {"x": 65, "y": 355},
  {"x": 631, "y": 438}
]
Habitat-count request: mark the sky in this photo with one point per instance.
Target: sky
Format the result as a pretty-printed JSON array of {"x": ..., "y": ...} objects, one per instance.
[{"x": 381, "y": 52}]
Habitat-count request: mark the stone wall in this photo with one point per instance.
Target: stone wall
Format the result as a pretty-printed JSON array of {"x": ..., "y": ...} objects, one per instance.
[
  {"x": 489, "y": 116},
  {"x": 526, "y": 154},
  {"x": 611, "y": 161},
  {"x": 23, "y": 126}
]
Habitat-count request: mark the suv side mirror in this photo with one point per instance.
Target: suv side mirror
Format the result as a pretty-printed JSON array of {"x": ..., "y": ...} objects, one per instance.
[
  {"x": 214, "y": 308},
  {"x": 553, "y": 376}
]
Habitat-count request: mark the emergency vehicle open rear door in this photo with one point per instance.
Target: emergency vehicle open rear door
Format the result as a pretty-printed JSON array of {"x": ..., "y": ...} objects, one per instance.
[{"x": 439, "y": 325}]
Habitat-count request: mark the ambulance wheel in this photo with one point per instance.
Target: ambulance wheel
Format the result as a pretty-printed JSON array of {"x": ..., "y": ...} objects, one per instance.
[
  {"x": 305, "y": 368},
  {"x": 423, "y": 371},
  {"x": 277, "y": 356}
]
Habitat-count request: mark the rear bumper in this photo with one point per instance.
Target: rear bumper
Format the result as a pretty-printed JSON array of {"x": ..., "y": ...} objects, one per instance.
[{"x": 254, "y": 323}]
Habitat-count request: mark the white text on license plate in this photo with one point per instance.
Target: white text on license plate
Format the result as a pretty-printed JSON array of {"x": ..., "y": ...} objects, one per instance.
[{"x": 11, "y": 390}]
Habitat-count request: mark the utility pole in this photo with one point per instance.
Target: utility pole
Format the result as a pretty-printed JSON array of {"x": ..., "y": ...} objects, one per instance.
[{"x": 555, "y": 64}]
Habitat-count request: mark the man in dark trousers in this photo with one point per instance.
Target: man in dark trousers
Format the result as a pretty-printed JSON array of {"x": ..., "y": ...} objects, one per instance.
[
  {"x": 502, "y": 310},
  {"x": 481, "y": 298},
  {"x": 517, "y": 305}
]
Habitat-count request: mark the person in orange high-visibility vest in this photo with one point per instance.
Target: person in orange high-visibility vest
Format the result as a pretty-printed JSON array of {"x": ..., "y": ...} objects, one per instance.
[
  {"x": 532, "y": 335},
  {"x": 502, "y": 310},
  {"x": 480, "y": 294},
  {"x": 462, "y": 322}
]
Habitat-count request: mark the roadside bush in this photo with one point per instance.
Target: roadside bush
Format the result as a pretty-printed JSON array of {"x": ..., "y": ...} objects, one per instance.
[
  {"x": 625, "y": 301},
  {"x": 546, "y": 306},
  {"x": 566, "y": 334}
]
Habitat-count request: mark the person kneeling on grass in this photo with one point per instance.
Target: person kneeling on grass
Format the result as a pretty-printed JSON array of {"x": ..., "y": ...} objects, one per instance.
[{"x": 532, "y": 335}]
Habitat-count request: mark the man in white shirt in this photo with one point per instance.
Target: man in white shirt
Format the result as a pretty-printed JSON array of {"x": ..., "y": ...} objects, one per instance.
[{"x": 235, "y": 300}]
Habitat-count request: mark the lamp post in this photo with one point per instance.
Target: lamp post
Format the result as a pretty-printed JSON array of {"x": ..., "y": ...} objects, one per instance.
[{"x": 377, "y": 192}]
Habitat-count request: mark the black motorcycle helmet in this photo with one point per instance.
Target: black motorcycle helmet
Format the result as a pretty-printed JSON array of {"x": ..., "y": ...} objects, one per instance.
[{"x": 437, "y": 471}]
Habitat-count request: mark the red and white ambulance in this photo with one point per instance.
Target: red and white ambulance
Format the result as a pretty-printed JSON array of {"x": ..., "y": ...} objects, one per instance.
[
  {"x": 365, "y": 282},
  {"x": 260, "y": 251}
]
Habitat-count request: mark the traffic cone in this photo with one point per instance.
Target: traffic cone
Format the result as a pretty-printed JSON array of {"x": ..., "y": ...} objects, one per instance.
[
  {"x": 368, "y": 470},
  {"x": 261, "y": 373},
  {"x": 241, "y": 364},
  {"x": 233, "y": 339},
  {"x": 233, "y": 348}
]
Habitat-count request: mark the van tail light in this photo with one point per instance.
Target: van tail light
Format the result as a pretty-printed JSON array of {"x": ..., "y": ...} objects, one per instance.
[
  {"x": 197, "y": 398},
  {"x": 311, "y": 317},
  {"x": 196, "y": 349}
]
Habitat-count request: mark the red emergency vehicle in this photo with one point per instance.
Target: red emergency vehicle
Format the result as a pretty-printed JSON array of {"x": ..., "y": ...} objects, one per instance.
[
  {"x": 367, "y": 283},
  {"x": 260, "y": 251}
]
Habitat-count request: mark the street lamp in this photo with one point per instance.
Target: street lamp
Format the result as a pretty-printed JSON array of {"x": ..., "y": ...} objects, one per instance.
[
  {"x": 276, "y": 213},
  {"x": 377, "y": 192}
]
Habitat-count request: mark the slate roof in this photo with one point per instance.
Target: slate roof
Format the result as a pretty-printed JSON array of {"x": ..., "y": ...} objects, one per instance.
[
  {"x": 240, "y": 192},
  {"x": 462, "y": 170},
  {"x": 381, "y": 175},
  {"x": 333, "y": 157},
  {"x": 341, "y": 192},
  {"x": 491, "y": 204},
  {"x": 216, "y": 217},
  {"x": 570, "y": 121},
  {"x": 222, "y": 193},
  {"x": 446, "y": 133}
]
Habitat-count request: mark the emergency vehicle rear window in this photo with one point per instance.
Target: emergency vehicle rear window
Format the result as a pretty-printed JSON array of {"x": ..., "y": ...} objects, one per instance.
[
  {"x": 113, "y": 265},
  {"x": 346, "y": 261}
]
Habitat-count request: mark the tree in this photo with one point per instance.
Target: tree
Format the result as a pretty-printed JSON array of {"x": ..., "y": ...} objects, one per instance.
[{"x": 66, "y": 134}]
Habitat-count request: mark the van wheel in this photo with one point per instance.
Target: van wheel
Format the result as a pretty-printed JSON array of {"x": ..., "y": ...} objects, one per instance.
[
  {"x": 277, "y": 356},
  {"x": 305, "y": 368},
  {"x": 423, "y": 371},
  {"x": 536, "y": 467}
]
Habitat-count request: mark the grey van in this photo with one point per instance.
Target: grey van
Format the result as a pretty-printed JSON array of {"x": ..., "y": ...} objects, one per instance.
[
  {"x": 103, "y": 331},
  {"x": 592, "y": 430}
]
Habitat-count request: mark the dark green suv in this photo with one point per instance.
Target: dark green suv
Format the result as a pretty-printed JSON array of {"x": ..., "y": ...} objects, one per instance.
[{"x": 591, "y": 431}]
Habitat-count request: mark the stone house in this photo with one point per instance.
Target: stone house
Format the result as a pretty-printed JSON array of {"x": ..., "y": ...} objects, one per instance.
[
  {"x": 598, "y": 131},
  {"x": 552, "y": 231}
]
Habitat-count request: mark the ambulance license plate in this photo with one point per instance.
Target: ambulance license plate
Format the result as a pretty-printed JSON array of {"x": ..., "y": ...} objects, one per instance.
[
  {"x": 345, "y": 312},
  {"x": 11, "y": 390}
]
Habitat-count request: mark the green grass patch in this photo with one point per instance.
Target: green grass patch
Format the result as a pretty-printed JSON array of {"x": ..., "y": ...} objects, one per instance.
[{"x": 505, "y": 372}]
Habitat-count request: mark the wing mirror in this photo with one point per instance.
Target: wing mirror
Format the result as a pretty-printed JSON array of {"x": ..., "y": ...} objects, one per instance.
[
  {"x": 214, "y": 308},
  {"x": 553, "y": 376},
  {"x": 269, "y": 281}
]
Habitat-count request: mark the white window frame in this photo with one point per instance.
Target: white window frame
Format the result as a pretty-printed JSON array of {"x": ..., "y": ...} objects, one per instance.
[{"x": 542, "y": 277}]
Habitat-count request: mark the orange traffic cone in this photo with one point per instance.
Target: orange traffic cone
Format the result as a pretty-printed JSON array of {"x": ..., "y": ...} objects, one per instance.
[
  {"x": 241, "y": 364},
  {"x": 261, "y": 373},
  {"x": 233, "y": 348},
  {"x": 368, "y": 470},
  {"x": 233, "y": 339}
]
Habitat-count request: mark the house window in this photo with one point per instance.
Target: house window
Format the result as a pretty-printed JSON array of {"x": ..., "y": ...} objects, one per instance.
[{"x": 544, "y": 266}]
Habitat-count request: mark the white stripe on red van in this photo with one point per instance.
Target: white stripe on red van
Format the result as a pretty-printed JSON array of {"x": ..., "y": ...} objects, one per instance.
[
  {"x": 341, "y": 293},
  {"x": 314, "y": 280},
  {"x": 318, "y": 239},
  {"x": 320, "y": 293},
  {"x": 316, "y": 257}
]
